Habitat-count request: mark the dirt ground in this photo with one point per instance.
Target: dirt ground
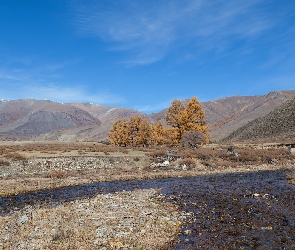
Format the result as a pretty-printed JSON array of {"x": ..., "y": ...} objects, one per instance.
[{"x": 89, "y": 196}]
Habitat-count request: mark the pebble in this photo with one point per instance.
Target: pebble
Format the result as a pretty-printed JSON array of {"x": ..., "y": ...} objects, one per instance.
[
  {"x": 23, "y": 219},
  {"x": 45, "y": 165}
]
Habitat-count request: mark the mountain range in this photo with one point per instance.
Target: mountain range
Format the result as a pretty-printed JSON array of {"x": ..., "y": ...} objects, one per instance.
[
  {"x": 276, "y": 126},
  {"x": 29, "y": 119}
]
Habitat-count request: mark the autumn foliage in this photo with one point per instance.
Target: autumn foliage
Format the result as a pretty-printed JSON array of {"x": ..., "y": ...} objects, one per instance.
[
  {"x": 183, "y": 121},
  {"x": 187, "y": 118}
]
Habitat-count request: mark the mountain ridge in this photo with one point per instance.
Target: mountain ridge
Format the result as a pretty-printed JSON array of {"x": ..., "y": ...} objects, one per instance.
[
  {"x": 47, "y": 120},
  {"x": 276, "y": 126}
]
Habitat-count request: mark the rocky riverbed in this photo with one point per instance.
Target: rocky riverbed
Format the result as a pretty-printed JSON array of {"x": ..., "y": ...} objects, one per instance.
[{"x": 253, "y": 210}]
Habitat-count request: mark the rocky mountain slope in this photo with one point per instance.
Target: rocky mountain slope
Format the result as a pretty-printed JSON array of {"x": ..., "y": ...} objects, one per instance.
[
  {"x": 277, "y": 126},
  {"x": 227, "y": 114},
  {"x": 47, "y": 120}
]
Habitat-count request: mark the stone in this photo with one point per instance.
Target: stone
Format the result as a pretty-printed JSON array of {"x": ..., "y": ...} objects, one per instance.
[
  {"x": 23, "y": 219},
  {"x": 187, "y": 232},
  {"x": 165, "y": 163}
]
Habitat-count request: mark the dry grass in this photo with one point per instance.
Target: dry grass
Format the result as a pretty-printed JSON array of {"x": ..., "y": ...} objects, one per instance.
[
  {"x": 56, "y": 174},
  {"x": 74, "y": 225},
  {"x": 4, "y": 162},
  {"x": 220, "y": 155},
  {"x": 33, "y": 173},
  {"x": 63, "y": 149},
  {"x": 126, "y": 220},
  {"x": 15, "y": 156},
  {"x": 291, "y": 176}
]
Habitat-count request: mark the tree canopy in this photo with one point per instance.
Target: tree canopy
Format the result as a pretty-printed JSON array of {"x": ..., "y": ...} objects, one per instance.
[
  {"x": 187, "y": 118},
  {"x": 183, "y": 119}
]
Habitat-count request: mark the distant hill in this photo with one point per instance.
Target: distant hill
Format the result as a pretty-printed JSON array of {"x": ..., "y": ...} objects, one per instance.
[
  {"x": 46, "y": 120},
  {"x": 227, "y": 114},
  {"x": 29, "y": 118},
  {"x": 277, "y": 126},
  {"x": 106, "y": 114}
]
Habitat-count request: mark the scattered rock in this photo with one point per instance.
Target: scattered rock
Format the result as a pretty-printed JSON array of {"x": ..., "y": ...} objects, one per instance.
[{"x": 23, "y": 219}]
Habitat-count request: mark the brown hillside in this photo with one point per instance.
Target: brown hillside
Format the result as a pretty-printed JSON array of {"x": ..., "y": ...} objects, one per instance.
[
  {"x": 47, "y": 120},
  {"x": 227, "y": 114},
  {"x": 107, "y": 114},
  {"x": 277, "y": 126},
  {"x": 29, "y": 118}
]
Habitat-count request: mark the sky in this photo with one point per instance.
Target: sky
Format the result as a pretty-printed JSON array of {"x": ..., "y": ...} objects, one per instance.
[{"x": 144, "y": 54}]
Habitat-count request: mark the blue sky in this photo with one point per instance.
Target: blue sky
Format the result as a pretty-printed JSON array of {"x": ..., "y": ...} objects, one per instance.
[{"x": 143, "y": 54}]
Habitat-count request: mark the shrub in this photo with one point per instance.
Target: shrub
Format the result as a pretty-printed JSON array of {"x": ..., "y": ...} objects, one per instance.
[
  {"x": 188, "y": 162},
  {"x": 16, "y": 156},
  {"x": 186, "y": 153},
  {"x": 106, "y": 142},
  {"x": 192, "y": 139},
  {"x": 4, "y": 162},
  {"x": 159, "y": 153},
  {"x": 57, "y": 174}
]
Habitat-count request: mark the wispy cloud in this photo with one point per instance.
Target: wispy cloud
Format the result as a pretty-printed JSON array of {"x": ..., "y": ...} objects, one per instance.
[
  {"x": 70, "y": 94},
  {"x": 45, "y": 82},
  {"x": 154, "y": 108},
  {"x": 57, "y": 93},
  {"x": 149, "y": 30}
]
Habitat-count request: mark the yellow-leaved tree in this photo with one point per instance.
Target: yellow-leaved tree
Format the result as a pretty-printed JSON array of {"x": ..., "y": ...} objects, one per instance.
[
  {"x": 144, "y": 133},
  {"x": 187, "y": 118},
  {"x": 139, "y": 131},
  {"x": 119, "y": 134},
  {"x": 162, "y": 135}
]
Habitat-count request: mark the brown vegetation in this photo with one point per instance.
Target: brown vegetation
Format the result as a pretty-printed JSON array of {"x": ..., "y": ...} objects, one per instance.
[
  {"x": 187, "y": 118},
  {"x": 130, "y": 220},
  {"x": 223, "y": 157},
  {"x": 70, "y": 225},
  {"x": 182, "y": 119},
  {"x": 277, "y": 126}
]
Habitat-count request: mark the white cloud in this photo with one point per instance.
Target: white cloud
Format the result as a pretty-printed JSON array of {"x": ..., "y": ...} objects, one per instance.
[
  {"x": 149, "y": 30},
  {"x": 37, "y": 83},
  {"x": 154, "y": 108},
  {"x": 8, "y": 76},
  {"x": 70, "y": 94}
]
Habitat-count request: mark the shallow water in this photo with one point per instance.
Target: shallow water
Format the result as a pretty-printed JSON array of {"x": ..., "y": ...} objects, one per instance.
[{"x": 253, "y": 210}]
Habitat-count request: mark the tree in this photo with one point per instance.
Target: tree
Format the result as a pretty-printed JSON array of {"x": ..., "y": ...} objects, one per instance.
[
  {"x": 173, "y": 114},
  {"x": 173, "y": 117},
  {"x": 187, "y": 118},
  {"x": 192, "y": 139},
  {"x": 119, "y": 133},
  {"x": 193, "y": 117},
  {"x": 136, "y": 132},
  {"x": 182, "y": 119},
  {"x": 158, "y": 134},
  {"x": 162, "y": 135},
  {"x": 144, "y": 133}
]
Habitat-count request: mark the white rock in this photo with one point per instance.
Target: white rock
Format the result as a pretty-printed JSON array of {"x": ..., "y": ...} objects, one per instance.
[
  {"x": 23, "y": 219},
  {"x": 165, "y": 163}
]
